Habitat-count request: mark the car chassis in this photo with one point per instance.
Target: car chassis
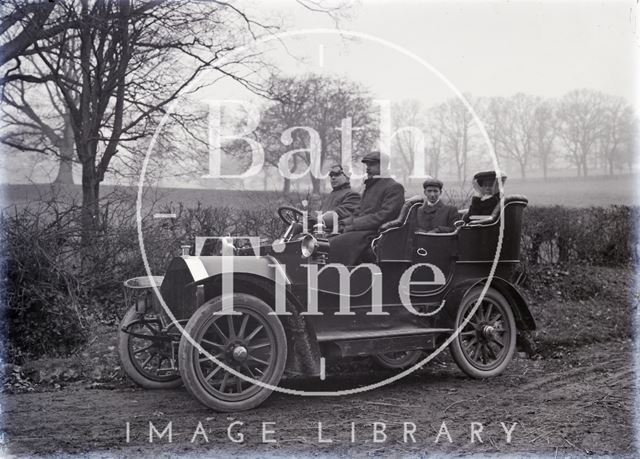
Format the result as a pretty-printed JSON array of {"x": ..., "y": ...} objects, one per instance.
[{"x": 289, "y": 307}]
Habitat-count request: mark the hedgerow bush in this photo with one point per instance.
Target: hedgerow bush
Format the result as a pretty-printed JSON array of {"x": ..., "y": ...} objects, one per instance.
[
  {"x": 595, "y": 235},
  {"x": 54, "y": 289},
  {"x": 42, "y": 283}
]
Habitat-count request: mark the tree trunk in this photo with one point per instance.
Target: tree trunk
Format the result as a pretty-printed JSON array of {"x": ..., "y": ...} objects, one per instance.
[
  {"x": 545, "y": 170},
  {"x": 90, "y": 213},
  {"x": 611, "y": 167},
  {"x": 286, "y": 188},
  {"x": 65, "y": 171},
  {"x": 66, "y": 150},
  {"x": 315, "y": 185},
  {"x": 523, "y": 171}
]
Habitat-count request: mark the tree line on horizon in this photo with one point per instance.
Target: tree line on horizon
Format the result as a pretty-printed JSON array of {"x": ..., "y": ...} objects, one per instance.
[
  {"x": 584, "y": 129},
  {"x": 91, "y": 92}
]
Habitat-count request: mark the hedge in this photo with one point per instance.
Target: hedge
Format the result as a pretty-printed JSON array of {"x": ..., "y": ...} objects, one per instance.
[{"x": 54, "y": 290}]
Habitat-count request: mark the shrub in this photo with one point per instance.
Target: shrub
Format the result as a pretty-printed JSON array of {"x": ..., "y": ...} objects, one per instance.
[
  {"x": 42, "y": 291},
  {"x": 594, "y": 235},
  {"x": 55, "y": 289}
]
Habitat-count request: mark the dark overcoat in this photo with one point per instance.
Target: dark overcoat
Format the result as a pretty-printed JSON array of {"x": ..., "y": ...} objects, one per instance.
[
  {"x": 381, "y": 202},
  {"x": 480, "y": 207},
  {"x": 439, "y": 217},
  {"x": 342, "y": 200}
]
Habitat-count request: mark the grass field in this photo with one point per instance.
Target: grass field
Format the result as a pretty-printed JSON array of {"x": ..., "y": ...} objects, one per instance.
[{"x": 571, "y": 192}]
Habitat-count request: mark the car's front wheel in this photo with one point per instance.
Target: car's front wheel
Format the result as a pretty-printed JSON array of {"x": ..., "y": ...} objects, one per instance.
[
  {"x": 252, "y": 343},
  {"x": 485, "y": 345}
]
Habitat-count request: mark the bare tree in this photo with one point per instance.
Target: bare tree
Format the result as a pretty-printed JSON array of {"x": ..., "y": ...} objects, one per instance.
[
  {"x": 616, "y": 134},
  {"x": 545, "y": 133},
  {"x": 494, "y": 114},
  {"x": 454, "y": 123},
  {"x": 511, "y": 125},
  {"x": 434, "y": 148},
  {"x": 126, "y": 50},
  {"x": 519, "y": 132},
  {"x": 37, "y": 120},
  {"x": 22, "y": 23},
  {"x": 410, "y": 139},
  {"x": 581, "y": 116},
  {"x": 320, "y": 103},
  {"x": 630, "y": 153}
]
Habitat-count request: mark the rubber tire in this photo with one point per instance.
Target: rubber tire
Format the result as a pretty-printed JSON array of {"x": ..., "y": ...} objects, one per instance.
[
  {"x": 409, "y": 361},
  {"x": 127, "y": 365},
  {"x": 455, "y": 347},
  {"x": 188, "y": 353}
]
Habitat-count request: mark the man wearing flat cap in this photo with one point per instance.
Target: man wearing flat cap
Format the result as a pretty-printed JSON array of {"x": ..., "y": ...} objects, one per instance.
[
  {"x": 382, "y": 200},
  {"x": 434, "y": 216},
  {"x": 342, "y": 202}
]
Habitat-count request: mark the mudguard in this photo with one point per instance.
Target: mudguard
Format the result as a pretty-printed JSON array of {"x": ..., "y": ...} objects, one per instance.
[
  {"x": 524, "y": 319},
  {"x": 257, "y": 276}
]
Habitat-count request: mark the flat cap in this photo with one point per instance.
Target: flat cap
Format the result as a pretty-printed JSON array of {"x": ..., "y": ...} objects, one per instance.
[
  {"x": 431, "y": 181},
  {"x": 373, "y": 157}
]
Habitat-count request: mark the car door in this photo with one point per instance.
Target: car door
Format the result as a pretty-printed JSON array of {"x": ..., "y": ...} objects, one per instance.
[{"x": 433, "y": 256}]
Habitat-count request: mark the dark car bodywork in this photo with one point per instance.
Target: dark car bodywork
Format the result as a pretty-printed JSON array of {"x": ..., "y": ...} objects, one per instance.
[{"x": 445, "y": 266}]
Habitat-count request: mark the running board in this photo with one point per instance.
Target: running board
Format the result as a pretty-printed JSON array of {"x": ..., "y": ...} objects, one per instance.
[
  {"x": 382, "y": 344},
  {"x": 351, "y": 335}
]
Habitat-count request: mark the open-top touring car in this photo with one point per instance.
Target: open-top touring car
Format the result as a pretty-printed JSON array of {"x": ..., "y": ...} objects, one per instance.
[{"x": 291, "y": 308}]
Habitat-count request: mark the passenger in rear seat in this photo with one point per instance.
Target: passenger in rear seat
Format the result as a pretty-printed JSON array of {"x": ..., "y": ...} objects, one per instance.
[
  {"x": 487, "y": 195},
  {"x": 434, "y": 216}
]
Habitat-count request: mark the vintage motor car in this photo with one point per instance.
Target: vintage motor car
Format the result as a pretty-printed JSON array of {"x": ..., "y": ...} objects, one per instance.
[{"x": 286, "y": 321}]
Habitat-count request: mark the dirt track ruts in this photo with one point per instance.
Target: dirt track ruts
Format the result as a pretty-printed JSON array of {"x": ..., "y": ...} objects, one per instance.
[{"x": 580, "y": 404}]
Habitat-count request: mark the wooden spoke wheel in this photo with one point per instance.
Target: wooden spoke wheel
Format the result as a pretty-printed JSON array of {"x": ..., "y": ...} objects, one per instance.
[
  {"x": 485, "y": 346},
  {"x": 252, "y": 343},
  {"x": 145, "y": 352}
]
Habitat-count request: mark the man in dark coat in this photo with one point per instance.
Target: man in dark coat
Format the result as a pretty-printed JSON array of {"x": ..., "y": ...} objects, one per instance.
[
  {"x": 487, "y": 196},
  {"x": 381, "y": 202},
  {"x": 342, "y": 202},
  {"x": 434, "y": 216}
]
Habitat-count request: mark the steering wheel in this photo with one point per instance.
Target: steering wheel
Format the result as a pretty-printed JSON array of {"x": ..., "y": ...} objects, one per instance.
[{"x": 289, "y": 214}]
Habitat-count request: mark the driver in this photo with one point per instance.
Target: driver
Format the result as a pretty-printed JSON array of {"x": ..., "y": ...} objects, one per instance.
[
  {"x": 382, "y": 200},
  {"x": 342, "y": 202},
  {"x": 434, "y": 216}
]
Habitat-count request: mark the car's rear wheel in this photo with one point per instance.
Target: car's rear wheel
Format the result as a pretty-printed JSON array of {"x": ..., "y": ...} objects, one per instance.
[
  {"x": 253, "y": 343},
  {"x": 485, "y": 345},
  {"x": 397, "y": 360},
  {"x": 145, "y": 352}
]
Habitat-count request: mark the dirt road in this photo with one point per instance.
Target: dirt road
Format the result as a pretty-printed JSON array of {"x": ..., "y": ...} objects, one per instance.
[{"x": 572, "y": 402}]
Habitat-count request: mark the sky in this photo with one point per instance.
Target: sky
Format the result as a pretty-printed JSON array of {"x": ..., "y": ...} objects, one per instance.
[
  {"x": 428, "y": 50},
  {"x": 484, "y": 48}
]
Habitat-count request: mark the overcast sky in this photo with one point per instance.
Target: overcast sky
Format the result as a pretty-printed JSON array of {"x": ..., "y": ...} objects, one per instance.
[{"x": 485, "y": 48}]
